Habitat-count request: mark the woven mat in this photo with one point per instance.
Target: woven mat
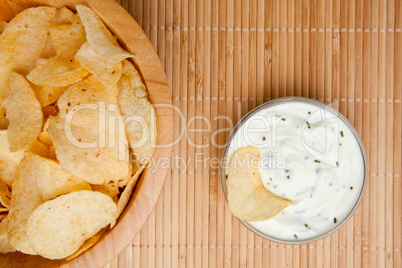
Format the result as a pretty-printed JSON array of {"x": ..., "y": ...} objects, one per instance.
[{"x": 223, "y": 58}]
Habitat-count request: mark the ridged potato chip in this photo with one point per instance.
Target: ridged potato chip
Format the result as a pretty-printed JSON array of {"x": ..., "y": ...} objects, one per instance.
[
  {"x": 5, "y": 246},
  {"x": 86, "y": 143},
  {"x": 24, "y": 41},
  {"x": 248, "y": 199},
  {"x": 59, "y": 227},
  {"x": 36, "y": 181},
  {"x": 106, "y": 72},
  {"x": 57, "y": 72},
  {"x": 9, "y": 161},
  {"x": 24, "y": 113},
  {"x": 139, "y": 115},
  {"x": 99, "y": 37}
]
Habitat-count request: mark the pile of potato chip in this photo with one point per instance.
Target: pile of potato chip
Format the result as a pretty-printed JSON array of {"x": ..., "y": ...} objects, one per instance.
[{"x": 76, "y": 131}]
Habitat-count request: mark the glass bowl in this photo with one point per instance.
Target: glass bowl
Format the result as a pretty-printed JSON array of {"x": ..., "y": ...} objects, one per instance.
[{"x": 318, "y": 104}]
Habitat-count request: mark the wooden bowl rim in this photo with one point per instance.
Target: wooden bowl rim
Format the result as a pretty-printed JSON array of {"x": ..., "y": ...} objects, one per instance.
[{"x": 149, "y": 187}]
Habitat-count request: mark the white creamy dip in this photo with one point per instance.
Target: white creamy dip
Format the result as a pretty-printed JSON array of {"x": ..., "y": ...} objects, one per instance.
[{"x": 309, "y": 156}]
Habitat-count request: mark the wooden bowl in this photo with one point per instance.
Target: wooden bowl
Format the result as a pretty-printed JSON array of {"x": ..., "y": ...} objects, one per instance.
[{"x": 149, "y": 187}]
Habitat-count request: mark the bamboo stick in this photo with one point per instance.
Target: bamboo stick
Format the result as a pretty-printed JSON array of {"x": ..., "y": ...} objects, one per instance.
[
  {"x": 320, "y": 89},
  {"x": 305, "y": 79},
  {"x": 268, "y": 22},
  {"x": 282, "y": 48},
  {"x": 357, "y": 252},
  {"x": 260, "y": 51},
  {"x": 234, "y": 113},
  {"x": 258, "y": 258},
  {"x": 245, "y": 34},
  {"x": 138, "y": 12},
  {"x": 153, "y": 35},
  {"x": 275, "y": 48},
  {"x": 290, "y": 49},
  {"x": 381, "y": 154},
  {"x": 389, "y": 130},
  {"x": 328, "y": 97},
  {"x": 252, "y": 96},
  {"x": 214, "y": 173},
  {"x": 225, "y": 96},
  {"x": 351, "y": 6},
  {"x": 206, "y": 135},
  {"x": 397, "y": 155},
  {"x": 151, "y": 239},
  {"x": 161, "y": 32},
  {"x": 191, "y": 136},
  {"x": 199, "y": 94},
  {"x": 146, "y": 16},
  {"x": 366, "y": 131},
  {"x": 144, "y": 246},
  {"x": 183, "y": 142},
  {"x": 298, "y": 46},
  {"x": 176, "y": 83},
  {"x": 373, "y": 131},
  {"x": 160, "y": 22},
  {"x": 343, "y": 107},
  {"x": 136, "y": 251},
  {"x": 313, "y": 49},
  {"x": 226, "y": 93}
]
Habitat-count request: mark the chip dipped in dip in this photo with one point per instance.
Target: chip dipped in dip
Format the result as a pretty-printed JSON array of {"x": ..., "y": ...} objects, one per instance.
[{"x": 310, "y": 155}]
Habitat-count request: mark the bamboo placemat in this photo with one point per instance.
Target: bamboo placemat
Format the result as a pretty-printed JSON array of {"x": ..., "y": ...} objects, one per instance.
[{"x": 223, "y": 58}]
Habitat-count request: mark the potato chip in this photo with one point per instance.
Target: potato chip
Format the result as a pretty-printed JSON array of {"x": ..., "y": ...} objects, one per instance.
[
  {"x": 47, "y": 95},
  {"x": 247, "y": 197},
  {"x": 99, "y": 37},
  {"x": 5, "y": 246},
  {"x": 5, "y": 195},
  {"x": 36, "y": 181},
  {"x": 138, "y": 113},
  {"x": 125, "y": 196},
  {"x": 24, "y": 41},
  {"x": 59, "y": 227},
  {"x": 25, "y": 114},
  {"x": 39, "y": 148},
  {"x": 3, "y": 215},
  {"x": 83, "y": 146},
  {"x": 87, "y": 245},
  {"x": 3, "y": 26},
  {"x": 3, "y": 120},
  {"x": 8, "y": 161},
  {"x": 57, "y": 72},
  {"x": 68, "y": 38},
  {"x": 63, "y": 16},
  {"x": 106, "y": 72}
]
